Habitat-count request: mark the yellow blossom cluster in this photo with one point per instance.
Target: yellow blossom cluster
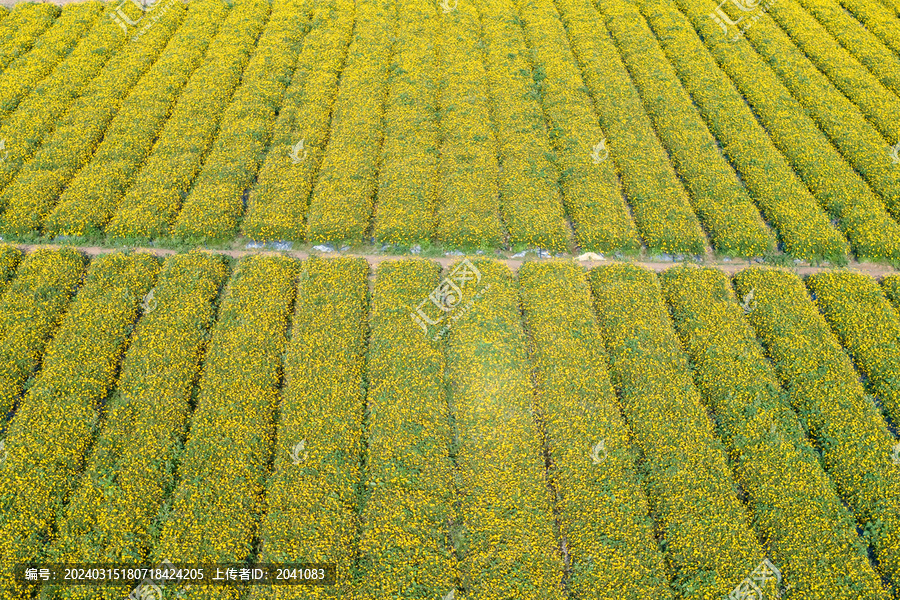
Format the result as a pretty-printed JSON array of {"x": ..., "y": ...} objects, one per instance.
[
  {"x": 844, "y": 423},
  {"x": 468, "y": 212},
  {"x": 891, "y": 286},
  {"x": 592, "y": 195},
  {"x": 406, "y": 196},
  {"x": 816, "y": 105},
  {"x": 704, "y": 528},
  {"x": 153, "y": 201},
  {"x": 36, "y": 187},
  {"x": 507, "y": 538},
  {"x": 60, "y": 414},
  {"x": 30, "y": 309},
  {"x": 215, "y": 508},
  {"x": 810, "y": 535},
  {"x": 341, "y": 203},
  {"x": 9, "y": 261},
  {"x": 530, "y": 199},
  {"x": 312, "y": 495},
  {"x": 867, "y": 326},
  {"x": 130, "y": 469},
  {"x": 406, "y": 539},
  {"x": 25, "y": 26},
  {"x": 3, "y": 13},
  {"x": 603, "y": 510},
  {"x": 90, "y": 199},
  {"x": 279, "y": 199},
  {"x": 723, "y": 204},
  {"x": 863, "y": 44},
  {"x": 37, "y": 114},
  {"x": 801, "y": 224},
  {"x": 24, "y": 73},
  {"x": 661, "y": 206},
  {"x": 877, "y": 18},
  {"x": 215, "y": 202}
]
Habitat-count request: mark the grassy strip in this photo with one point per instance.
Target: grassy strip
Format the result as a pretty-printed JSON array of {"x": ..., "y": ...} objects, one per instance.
[
  {"x": 130, "y": 470},
  {"x": 38, "y": 113},
  {"x": 61, "y": 412},
  {"x": 279, "y": 198},
  {"x": 507, "y": 544},
  {"x": 215, "y": 507},
  {"x": 719, "y": 197},
  {"x": 468, "y": 188},
  {"x": 407, "y": 180},
  {"x": 662, "y": 208},
  {"x": 603, "y": 511},
  {"x": 768, "y": 70},
  {"x": 863, "y": 44},
  {"x": 24, "y": 73},
  {"x": 867, "y": 326},
  {"x": 530, "y": 199},
  {"x": 844, "y": 423},
  {"x": 152, "y": 203},
  {"x": 809, "y": 533},
  {"x": 33, "y": 192},
  {"x": 312, "y": 494},
  {"x": 705, "y": 530},
  {"x": 25, "y": 27},
  {"x": 406, "y": 547},
  {"x": 214, "y": 204},
  {"x": 341, "y": 202},
  {"x": 90, "y": 199},
  {"x": 29, "y": 311}
]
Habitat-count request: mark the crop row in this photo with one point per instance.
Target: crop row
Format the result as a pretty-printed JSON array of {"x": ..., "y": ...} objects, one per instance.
[
  {"x": 468, "y": 168},
  {"x": 213, "y": 513},
  {"x": 842, "y": 121},
  {"x": 153, "y": 201},
  {"x": 706, "y": 530},
  {"x": 341, "y": 203},
  {"x": 30, "y": 309},
  {"x": 507, "y": 536},
  {"x": 278, "y": 201},
  {"x": 24, "y": 73},
  {"x": 809, "y": 533},
  {"x": 215, "y": 202},
  {"x": 661, "y": 206},
  {"x": 130, "y": 470},
  {"x": 90, "y": 199},
  {"x": 891, "y": 286},
  {"x": 405, "y": 545},
  {"x": 60, "y": 413},
  {"x": 877, "y": 18},
  {"x": 312, "y": 494},
  {"x": 530, "y": 199},
  {"x": 721, "y": 201},
  {"x": 23, "y": 28},
  {"x": 844, "y": 423},
  {"x": 36, "y": 187},
  {"x": 863, "y": 44},
  {"x": 603, "y": 511},
  {"x": 37, "y": 114}
]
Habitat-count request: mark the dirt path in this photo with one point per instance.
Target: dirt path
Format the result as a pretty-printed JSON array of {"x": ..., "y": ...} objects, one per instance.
[{"x": 874, "y": 270}]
